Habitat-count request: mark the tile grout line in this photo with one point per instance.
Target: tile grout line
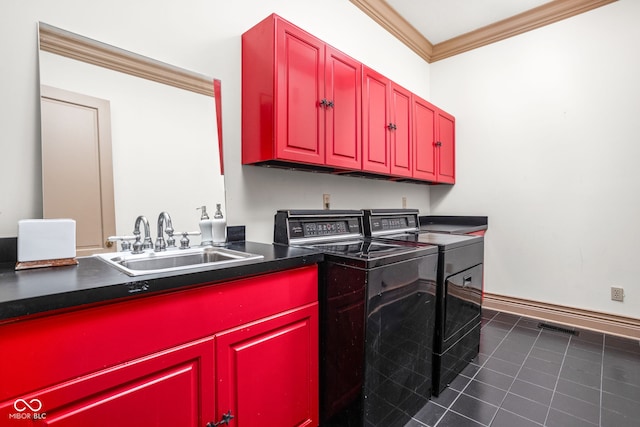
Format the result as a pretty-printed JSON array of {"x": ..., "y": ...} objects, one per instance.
[
  {"x": 482, "y": 366},
  {"x": 604, "y": 339},
  {"x": 515, "y": 377},
  {"x": 555, "y": 392},
  {"x": 447, "y": 409},
  {"x": 555, "y": 387}
]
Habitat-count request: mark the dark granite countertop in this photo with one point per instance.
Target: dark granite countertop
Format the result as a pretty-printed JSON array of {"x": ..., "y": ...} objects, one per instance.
[
  {"x": 92, "y": 281},
  {"x": 453, "y": 224}
]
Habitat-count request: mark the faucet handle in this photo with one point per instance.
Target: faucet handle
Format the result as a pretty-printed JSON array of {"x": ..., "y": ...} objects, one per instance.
[
  {"x": 137, "y": 247},
  {"x": 148, "y": 243},
  {"x": 125, "y": 243},
  {"x": 171, "y": 241},
  {"x": 184, "y": 242}
]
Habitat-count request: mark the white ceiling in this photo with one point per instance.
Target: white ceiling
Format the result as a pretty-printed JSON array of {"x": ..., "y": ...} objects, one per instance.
[{"x": 440, "y": 20}]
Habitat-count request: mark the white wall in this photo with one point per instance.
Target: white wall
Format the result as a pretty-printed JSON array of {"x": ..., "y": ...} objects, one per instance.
[
  {"x": 203, "y": 37},
  {"x": 548, "y": 146}
]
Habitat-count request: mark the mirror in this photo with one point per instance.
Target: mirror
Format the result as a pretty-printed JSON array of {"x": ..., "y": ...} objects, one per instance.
[{"x": 165, "y": 125}]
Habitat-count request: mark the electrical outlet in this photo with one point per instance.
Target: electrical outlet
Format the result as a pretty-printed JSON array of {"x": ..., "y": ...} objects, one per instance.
[
  {"x": 617, "y": 294},
  {"x": 326, "y": 201},
  {"x": 404, "y": 202}
]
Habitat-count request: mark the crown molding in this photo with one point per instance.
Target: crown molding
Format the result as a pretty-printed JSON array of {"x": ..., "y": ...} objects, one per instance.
[
  {"x": 388, "y": 18},
  {"x": 74, "y": 46},
  {"x": 548, "y": 13}
]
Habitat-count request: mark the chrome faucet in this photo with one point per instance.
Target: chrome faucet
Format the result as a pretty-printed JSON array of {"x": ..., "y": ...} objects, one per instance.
[
  {"x": 138, "y": 245},
  {"x": 164, "y": 219}
]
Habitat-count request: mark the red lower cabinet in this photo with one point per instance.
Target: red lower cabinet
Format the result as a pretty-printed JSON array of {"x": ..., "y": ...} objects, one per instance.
[
  {"x": 170, "y": 388},
  {"x": 242, "y": 353},
  {"x": 267, "y": 370}
]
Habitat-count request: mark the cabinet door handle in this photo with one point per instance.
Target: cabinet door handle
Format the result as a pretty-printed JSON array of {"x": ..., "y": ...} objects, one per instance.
[
  {"x": 438, "y": 144},
  {"x": 323, "y": 103},
  {"x": 392, "y": 126},
  {"x": 226, "y": 419},
  {"x": 330, "y": 104}
]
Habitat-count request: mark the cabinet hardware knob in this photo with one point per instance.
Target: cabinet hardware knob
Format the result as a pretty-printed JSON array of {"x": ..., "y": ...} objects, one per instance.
[
  {"x": 438, "y": 144},
  {"x": 323, "y": 103},
  {"x": 392, "y": 126},
  {"x": 330, "y": 104},
  {"x": 226, "y": 419}
]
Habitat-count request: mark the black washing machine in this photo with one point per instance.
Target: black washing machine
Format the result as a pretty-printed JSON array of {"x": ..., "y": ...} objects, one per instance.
[
  {"x": 459, "y": 288},
  {"x": 377, "y": 312}
]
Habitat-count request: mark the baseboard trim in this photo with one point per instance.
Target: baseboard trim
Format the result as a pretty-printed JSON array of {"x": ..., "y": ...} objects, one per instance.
[{"x": 612, "y": 324}]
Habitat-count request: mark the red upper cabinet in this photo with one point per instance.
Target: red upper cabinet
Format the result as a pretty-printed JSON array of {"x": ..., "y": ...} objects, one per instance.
[
  {"x": 445, "y": 143},
  {"x": 386, "y": 126},
  {"x": 433, "y": 143},
  {"x": 343, "y": 91},
  {"x": 308, "y": 105},
  {"x": 299, "y": 87},
  {"x": 401, "y": 138},
  {"x": 300, "y": 98},
  {"x": 375, "y": 122},
  {"x": 424, "y": 139}
]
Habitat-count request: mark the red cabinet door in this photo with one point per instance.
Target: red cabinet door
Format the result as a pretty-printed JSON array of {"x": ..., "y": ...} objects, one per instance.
[
  {"x": 433, "y": 143},
  {"x": 445, "y": 143},
  {"x": 301, "y": 99},
  {"x": 400, "y": 134},
  {"x": 343, "y": 95},
  {"x": 375, "y": 122},
  {"x": 299, "y": 127},
  {"x": 268, "y": 370},
  {"x": 166, "y": 389},
  {"x": 424, "y": 139}
]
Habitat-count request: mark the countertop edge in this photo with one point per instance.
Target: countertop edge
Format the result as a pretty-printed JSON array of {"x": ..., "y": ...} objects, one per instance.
[
  {"x": 93, "y": 282},
  {"x": 453, "y": 224}
]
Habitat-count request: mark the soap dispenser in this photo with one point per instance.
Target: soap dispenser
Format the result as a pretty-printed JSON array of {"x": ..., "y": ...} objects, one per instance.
[
  {"x": 219, "y": 227},
  {"x": 206, "y": 228}
]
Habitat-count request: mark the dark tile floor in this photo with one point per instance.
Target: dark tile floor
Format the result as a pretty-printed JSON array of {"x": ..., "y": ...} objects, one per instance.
[{"x": 531, "y": 376}]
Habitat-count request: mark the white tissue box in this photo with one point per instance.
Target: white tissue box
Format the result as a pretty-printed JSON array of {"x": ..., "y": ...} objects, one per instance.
[{"x": 46, "y": 239}]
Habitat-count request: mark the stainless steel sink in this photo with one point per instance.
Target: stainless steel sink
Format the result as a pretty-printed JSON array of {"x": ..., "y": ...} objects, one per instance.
[{"x": 177, "y": 260}]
